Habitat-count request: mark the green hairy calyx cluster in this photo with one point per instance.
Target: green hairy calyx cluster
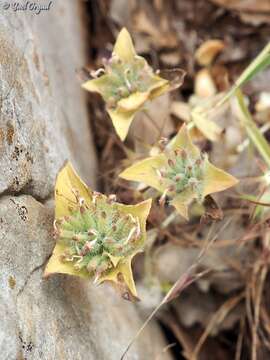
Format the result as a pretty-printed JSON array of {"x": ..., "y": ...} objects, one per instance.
[
  {"x": 96, "y": 233},
  {"x": 182, "y": 173},
  {"x": 125, "y": 78}
]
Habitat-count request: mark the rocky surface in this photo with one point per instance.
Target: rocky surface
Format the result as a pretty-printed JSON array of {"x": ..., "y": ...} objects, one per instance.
[
  {"x": 43, "y": 121},
  {"x": 43, "y": 117}
]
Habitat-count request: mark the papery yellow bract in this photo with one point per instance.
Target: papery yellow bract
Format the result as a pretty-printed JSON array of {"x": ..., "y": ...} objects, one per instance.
[
  {"x": 180, "y": 172},
  {"x": 65, "y": 201},
  {"x": 65, "y": 198},
  {"x": 145, "y": 171},
  {"x": 181, "y": 203},
  {"x": 127, "y": 83},
  {"x": 216, "y": 179},
  {"x": 89, "y": 243},
  {"x": 123, "y": 47}
]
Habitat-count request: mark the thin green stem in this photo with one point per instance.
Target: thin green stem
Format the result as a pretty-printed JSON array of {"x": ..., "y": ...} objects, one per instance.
[
  {"x": 252, "y": 130},
  {"x": 257, "y": 65},
  {"x": 246, "y": 142}
]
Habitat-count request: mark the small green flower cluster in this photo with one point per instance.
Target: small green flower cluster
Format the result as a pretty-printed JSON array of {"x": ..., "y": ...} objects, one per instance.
[
  {"x": 182, "y": 172},
  {"x": 125, "y": 78},
  {"x": 96, "y": 233}
]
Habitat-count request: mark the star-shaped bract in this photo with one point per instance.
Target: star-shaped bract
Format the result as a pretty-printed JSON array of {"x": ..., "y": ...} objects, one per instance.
[
  {"x": 96, "y": 237},
  {"x": 181, "y": 173},
  {"x": 126, "y": 83}
]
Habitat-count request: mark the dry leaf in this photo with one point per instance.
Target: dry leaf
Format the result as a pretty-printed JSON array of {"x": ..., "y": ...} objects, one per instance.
[
  {"x": 204, "y": 84},
  {"x": 208, "y": 51}
]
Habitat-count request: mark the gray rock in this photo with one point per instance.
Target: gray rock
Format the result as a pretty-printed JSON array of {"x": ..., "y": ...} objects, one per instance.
[{"x": 43, "y": 115}]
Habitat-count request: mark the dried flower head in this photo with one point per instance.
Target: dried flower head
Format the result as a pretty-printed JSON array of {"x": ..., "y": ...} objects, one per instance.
[
  {"x": 180, "y": 173},
  {"x": 96, "y": 236},
  {"x": 126, "y": 82}
]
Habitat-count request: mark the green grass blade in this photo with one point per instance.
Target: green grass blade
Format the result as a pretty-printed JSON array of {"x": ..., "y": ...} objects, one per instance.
[
  {"x": 258, "y": 64},
  {"x": 256, "y": 137}
]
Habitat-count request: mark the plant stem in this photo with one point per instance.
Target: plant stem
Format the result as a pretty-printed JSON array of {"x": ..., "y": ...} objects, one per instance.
[
  {"x": 252, "y": 130},
  {"x": 257, "y": 65},
  {"x": 168, "y": 220},
  {"x": 246, "y": 142}
]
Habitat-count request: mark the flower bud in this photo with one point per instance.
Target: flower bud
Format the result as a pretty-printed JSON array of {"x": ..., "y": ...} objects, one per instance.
[
  {"x": 198, "y": 162},
  {"x": 183, "y": 154},
  {"x": 171, "y": 163}
]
